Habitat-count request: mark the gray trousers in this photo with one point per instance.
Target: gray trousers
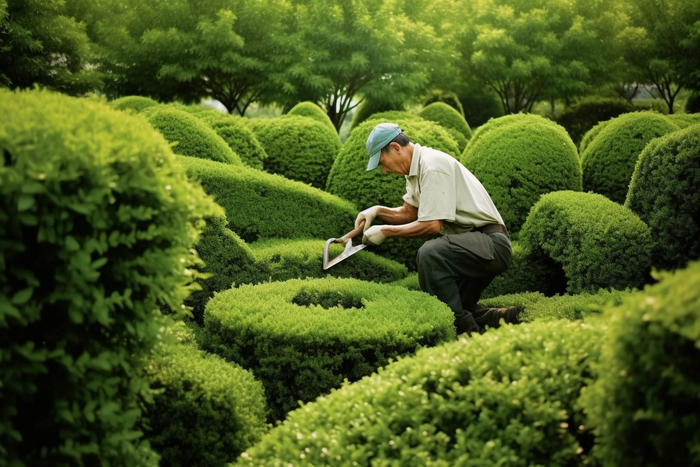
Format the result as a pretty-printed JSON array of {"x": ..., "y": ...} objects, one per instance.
[{"x": 456, "y": 268}]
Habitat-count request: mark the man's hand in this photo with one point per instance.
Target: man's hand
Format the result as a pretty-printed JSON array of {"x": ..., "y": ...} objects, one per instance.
[
  {"x": 373, "y": 236},
  {"x": 368, "y": 216}
]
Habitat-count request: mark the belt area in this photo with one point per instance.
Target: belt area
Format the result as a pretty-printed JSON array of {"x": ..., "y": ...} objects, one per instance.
[{"x": 493, "y": 228}]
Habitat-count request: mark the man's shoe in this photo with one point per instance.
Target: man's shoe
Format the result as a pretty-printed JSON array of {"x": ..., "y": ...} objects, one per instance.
[
  {"x": 492, "y": 316},
  {"x": 466, "y": 324}
]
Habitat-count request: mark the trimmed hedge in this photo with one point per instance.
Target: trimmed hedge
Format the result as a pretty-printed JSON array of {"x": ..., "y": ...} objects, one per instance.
[
  {"x": 450, "y": 119},
  {"x": 135, "y": 103},
  {"x": 644, "y": 406},
  {"x": 298, "y": 148},
  {"x": 520, "y": 158},
  {"x": 584, "y": 115},
  {"x": 311, "y": 110},
  {"x": 235, "y": 132},
  {"x": 194, "y": 138},
  {"x": 608, "y": 161},
  {"x": 206, "y": 411},
  {"x": 393, "y": 116},
  {"x": 97, "y": 225},
  {"x": 302, "y": 338},
  {"x": 597, "y": 242},
  {"x": 448, "y": 97},
  {"x": 665, "y": 193},
  {"x": 684, "y": 120},
  {"x": 370, "y": 107},
  {"x": 506, "y": 397},
  {"x": 591, "y": 134}
]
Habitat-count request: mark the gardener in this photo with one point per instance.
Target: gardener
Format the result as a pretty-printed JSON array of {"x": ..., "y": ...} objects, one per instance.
[{"x": 443, "y": 197}]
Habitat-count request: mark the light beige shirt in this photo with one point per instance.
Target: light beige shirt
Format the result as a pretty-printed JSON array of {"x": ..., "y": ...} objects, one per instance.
[{"x": 443, "y": 189}]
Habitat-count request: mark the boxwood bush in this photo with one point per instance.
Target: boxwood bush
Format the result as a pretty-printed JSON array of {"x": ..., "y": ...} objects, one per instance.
[
  {"x": 448, "y": 97},
  {"x": 684, "y": 120},
  {"x": 206, "y": 411},
  {"x": 609, "y": 159},
  {"x": 584, "y": 115},
  {"x": 312, "y": 110},
  {"x": 194, "y": 138},
  {"x": 450, "y": 119},
  {"x": 135, "y": 103},
  {"x": 97, "y": 225},
  {"x": 665, "y": 193},
  {"x": 518, "y": 159},
  {"x": 591, "y": 134},
  {"x": 370, "y": 107},
  {"x": 597, "y": 242},
  {"x": 302, "y": 338},
  {"x": 506, "y": 397},
  {"x": 298, "y": 148},
  {"x": 645, "y": 401},
  {"x": 234, "y": 131}
]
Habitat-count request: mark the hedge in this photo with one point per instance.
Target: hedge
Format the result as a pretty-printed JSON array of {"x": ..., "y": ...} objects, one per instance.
[
  {"x": 206, "y": 411},
  {"x": 302, "y": 338},
  {"x": 135, "y": 103},
  {"x": 591, "y": 134},
  {"x": 312, "y": 110},
  {"x": 234, "y": 131},
  {"x": 448, "y": 97},
  {"x": 517, "y": 159},
  {"x": 584, "y": 115},
  {"x": 506, "y": 397},
  {"x": 298, "y": 148},
  {"x": 684, "y": 120},
  {"x": 608, "y": 161},
  {"x": 597, "y": 242},
  {"x": 98, "y": 222},
  {"x": 193, "y": 137},
  {"x": 665, "y": 193},
  {"x": 450, "y": 119},
  {"x": 644, "y": 405},
  {"x": 369, "y": 107}
]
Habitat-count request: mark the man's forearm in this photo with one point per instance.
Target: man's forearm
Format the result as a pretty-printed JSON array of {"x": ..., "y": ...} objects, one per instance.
[{"x": 398, "y": 216}]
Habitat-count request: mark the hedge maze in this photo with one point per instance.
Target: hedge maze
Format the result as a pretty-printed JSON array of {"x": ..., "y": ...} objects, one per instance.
[{"x": 163, "y": 302}]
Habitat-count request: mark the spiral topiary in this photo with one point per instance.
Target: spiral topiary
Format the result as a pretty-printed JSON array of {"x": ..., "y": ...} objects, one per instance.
[
  {"x": 311, "y": 110},
  {"x": 135, "y": 103},
  {"x": 608, "y": 161},
  {"x": 98, "y": 225},
  {"x": 235, "y": 132},
  {"x": 665, "y": 193},
  {"x": 302, "y": 338},
  {"x": 584, "y": 115},
  {"x": 298, "y": 148},
  {"x": 518, "y": 159},
  {"x": 450, "y": 119}
]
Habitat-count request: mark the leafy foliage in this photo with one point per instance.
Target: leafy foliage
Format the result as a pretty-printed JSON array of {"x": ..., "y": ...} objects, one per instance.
[
  {"x": 135, "y": 103},
  {"x": 241, "y": 139},
  {"x": 582, "y": 116},
  {"x": 309, "y": 109},
  {"x": 450, "y": 119}
]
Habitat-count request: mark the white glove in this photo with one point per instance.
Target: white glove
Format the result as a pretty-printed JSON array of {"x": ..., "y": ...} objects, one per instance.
[
  {"x": 373, "y": 236},
  {"x": 368, "y": 216}
]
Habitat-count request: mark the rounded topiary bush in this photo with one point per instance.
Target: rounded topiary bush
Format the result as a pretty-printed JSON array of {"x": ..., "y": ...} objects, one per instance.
[
  {"x": 597, "y": 243},
  {"x": 584, "y": 115},
  {"x": 393, "y": 115},
  {"x": 447, "y": 97},
  {"x": 302, "y": 338},
  {"x": 298, "y": 148},
  {"x": 665, "y": 193},
  {"x": 311, "y": 110},
  {"x": 591, "y": 134},
  {"x": 684, "y": 120},
  {"x": 517, "y": 159},
  {"x": 135, "y": 103},
  {"x": 369, "y": 107},
  {"x": 644, "y": 403},
  {"x": 506, "y": 397},
  {"x": 206, "y": 411},
  {"x": 98, "y": 224},
  {"x": 609, "y": 159},
  {"x": 234, "y": 131},
  {"x": 450, "y": 119},
  {"x": 194, "y": 138}
]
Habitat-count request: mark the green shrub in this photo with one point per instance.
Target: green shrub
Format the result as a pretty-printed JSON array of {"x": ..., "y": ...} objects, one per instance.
[
  {"x": 311, "y": 110},
  {"x": 684, "y": 120},
  {"x": 97, "y": 222},
  {"x": 609, "y": 159},
  {"x": 480, "y": 104},
  {"x": 591, "y": 134},
  {"x": 645, "y": 402},
  {"x": 135, "y": 103},
  {"x": 350, "y": 180},
  {"x": 517, "y": 159},
  {"x": 193, "y": 137},
  {"x": 597, "y": 243},
  {"x": 298, "y": 148},
  {"x": 692, "y": 104},
  {"x": 449, "y": 98},
  {"x": 393, "y": 116},
  {"x": 665, "y": 193},
  {"x": 450, "y": 119},
  {"x": 302, "y": 338},
  {"x": 506, "y": 397},
  {"x": 234, "y": 131},
  {"x": 369, "y": 107},
  {"x": 582, "y": 116},
  {"x": 206, "y": 411},
  {"x": 260, "y": 205}
]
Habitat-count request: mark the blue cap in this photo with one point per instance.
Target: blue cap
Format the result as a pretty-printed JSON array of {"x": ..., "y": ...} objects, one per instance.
[{"x": 381, "y": 135}]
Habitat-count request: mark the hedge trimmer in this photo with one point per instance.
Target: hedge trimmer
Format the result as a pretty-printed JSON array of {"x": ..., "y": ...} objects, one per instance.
[{"x": 349, "y": 248}]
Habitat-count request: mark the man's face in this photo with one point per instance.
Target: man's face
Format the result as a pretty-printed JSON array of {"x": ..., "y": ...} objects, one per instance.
[{"x": 390, "y": 160}]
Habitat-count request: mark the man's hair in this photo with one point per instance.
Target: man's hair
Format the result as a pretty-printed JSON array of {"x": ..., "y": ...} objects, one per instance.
[{"x": 401, "y": 138}]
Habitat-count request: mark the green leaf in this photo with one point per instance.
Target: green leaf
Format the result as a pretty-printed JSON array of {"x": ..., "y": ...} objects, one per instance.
[
  {"x": 72, "y": 244},
  {"x": 25, "y": 202},
  {"x": 32, "y": 187},
  {"x": 23, "y": 296}
]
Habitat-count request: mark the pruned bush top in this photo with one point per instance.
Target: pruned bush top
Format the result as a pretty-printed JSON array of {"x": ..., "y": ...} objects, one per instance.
[
  {"x": 584, "y": 115},
  {"x": 311, "y": 110},
  {"x": 298, "y": 148},
  {"x": 234, "y": 131},
  {"x": 609, "y": 159},
  {"x": 643, "y": 406},
  {"x": 506, "y": 397},
  {"x": 97, "y": 224},
  {"x": 684, "y": 120},
  {"x": 194, "y": 138},
  {"x": 135, "y": 103},
  {"x": 665, "y": 193},
  {"x": 450, "y": 119},
  {"x": 518, "y": 160},
  {"x": 598, "y": 243},
  {"x": 302, "y": 338},
  {"x": 590, "y": 135}
]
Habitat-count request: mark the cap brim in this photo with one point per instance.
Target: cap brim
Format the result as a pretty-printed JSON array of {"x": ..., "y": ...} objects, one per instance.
[{"x": 373, "y": 161}]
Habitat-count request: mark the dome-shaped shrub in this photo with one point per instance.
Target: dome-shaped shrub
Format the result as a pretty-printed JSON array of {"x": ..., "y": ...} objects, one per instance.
[
  {"x": 665, "y": 193},
  {"x": 519, "y": 159},
  {"x": 591, "y": 134},
  {"x": 684, "y": 120},
  {"x": 497, "y": 123},
  {"x": 370, "y": 107},
  {"x": 206, "y": 411},
  {"x": 135, "y": 103},
  {"x": 194, "y": 138},
  {"x": 584, "y": 115},
  {"x": 98, "y": 221},
  {"x": 447, "y": 97},
  {"x": 311, "y": 110},
  {"x": 506, "y": 397},
  {"x": 298, "y": 148},
  {"x": 609, "y": 159},
  {"x": 302, "y": 338},
  {"x": 644, "y": 403},
  {"x": 597, "y": 242},
  {"x": 235, "y": 132},
  {"x": 393, "y": 115},
  {"x": 451, "y": 120}
]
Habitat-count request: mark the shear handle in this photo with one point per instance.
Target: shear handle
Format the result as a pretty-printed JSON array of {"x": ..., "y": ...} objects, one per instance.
[{"x": 350, "y": 235}]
